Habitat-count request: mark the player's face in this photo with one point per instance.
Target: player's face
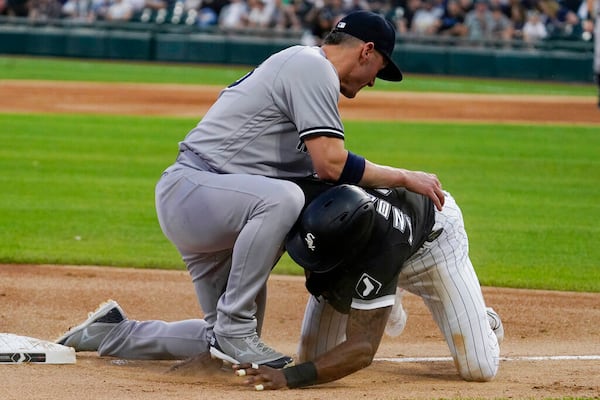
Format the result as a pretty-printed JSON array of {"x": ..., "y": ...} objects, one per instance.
[{"x": 365, "y": 72}]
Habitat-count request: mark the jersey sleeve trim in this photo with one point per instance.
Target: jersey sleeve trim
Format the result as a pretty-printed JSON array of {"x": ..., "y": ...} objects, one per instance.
[
  {"x": 321, "y": 131},
  {"x": 380, "y": 302}
]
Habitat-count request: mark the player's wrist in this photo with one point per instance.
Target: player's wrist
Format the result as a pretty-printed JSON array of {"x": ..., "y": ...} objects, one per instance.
[
  {"x": 353, "y": 170},
  {"x": 402, "y": 177},
  {"x": 301, "y": 375}
]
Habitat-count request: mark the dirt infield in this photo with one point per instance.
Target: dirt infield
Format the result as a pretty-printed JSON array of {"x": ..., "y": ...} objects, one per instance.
[
  {"x": 42, "y": 301},
  {"x": 193, "y": 101},
  {"x": 548, "y": 334}
]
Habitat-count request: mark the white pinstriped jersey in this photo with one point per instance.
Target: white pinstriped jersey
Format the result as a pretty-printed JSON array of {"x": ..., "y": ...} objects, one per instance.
[
  {"x": 257, "y": 123},
  {"x": 440, "y": 273},
  {"x": 403, "y": 221}
]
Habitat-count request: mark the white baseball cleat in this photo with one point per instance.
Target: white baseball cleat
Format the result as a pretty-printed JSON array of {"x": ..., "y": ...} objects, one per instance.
[
  {"x": 495, "y": 323},
  {"x": 397, "y": 319},
  {"x": 248, "y": 349}
]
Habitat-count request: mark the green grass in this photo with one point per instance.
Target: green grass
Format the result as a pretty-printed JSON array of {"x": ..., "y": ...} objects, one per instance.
[
  {"x": 80, "y": 190},
  {"x": 529, "y": 194},
  {"x": 106, "y": 71}
]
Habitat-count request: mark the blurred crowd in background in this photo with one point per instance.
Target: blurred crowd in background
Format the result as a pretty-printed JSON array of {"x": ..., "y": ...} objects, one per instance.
[{"x": 527, "y": 20}]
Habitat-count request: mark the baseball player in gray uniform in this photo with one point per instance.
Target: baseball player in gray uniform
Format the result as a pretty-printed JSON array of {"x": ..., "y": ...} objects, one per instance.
[
  {"x": 227, "y": 202},
  {"x": 357, "y": 248}
]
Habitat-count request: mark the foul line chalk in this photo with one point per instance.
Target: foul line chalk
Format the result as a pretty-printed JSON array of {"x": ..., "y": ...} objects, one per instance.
[{"x": 522, "y": 358}]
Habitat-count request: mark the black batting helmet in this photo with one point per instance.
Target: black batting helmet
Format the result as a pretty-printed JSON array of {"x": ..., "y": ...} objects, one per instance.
[{"x": 334, "y": 228}]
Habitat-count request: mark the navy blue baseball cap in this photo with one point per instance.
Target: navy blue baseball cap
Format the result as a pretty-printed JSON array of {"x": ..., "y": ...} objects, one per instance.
[{"x": 370, "y": 27}]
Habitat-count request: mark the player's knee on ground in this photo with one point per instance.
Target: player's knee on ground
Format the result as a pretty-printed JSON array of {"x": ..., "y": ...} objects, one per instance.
[
  {"x": 478, "y": 363},
  {"x": 478, "y": 371}
]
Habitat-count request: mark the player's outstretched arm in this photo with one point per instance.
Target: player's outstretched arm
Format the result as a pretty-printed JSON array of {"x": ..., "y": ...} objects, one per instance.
[
  {"x": 330, "y": 159},
  {"x": 379, "y": 176},
  {"x": 363, "y": 335}
]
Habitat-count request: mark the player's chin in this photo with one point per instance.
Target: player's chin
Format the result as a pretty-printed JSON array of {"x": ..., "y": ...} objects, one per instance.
[{"x": 348, "y": 93}]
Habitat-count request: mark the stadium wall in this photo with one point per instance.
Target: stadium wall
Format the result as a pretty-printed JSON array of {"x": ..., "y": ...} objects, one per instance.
[{"x": 198, "y": 47}]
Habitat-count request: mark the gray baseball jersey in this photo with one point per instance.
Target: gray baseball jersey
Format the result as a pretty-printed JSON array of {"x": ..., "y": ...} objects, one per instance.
[{"x": 258, "y": 122}]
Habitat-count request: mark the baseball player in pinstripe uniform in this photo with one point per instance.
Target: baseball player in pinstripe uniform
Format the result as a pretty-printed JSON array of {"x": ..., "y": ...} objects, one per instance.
[
  {"x": 227, "y": 202},
  {"x": 357, "y": 248}
]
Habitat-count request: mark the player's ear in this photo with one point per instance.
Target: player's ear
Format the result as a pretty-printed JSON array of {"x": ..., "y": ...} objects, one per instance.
[
  {"x": 368, "y": 48},
  {"x": 367, "y": 51}
]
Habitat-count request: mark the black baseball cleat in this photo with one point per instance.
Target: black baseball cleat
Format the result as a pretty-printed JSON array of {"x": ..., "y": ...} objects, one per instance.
[
  {"x": 88, "y": 335},
  {"x": 249, "y": 349}
]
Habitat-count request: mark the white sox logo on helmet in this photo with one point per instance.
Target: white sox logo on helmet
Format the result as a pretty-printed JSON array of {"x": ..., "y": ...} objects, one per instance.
[{"x": 309, "y": 239}]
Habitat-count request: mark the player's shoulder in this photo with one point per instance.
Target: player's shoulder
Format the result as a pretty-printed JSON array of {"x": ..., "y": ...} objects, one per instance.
[
  {"x": 301, "y": 51},
  {"x": 299, "y": 60}
]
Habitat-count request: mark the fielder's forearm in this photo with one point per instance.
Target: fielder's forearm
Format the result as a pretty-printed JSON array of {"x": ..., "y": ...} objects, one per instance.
[
  {"x": 343, "y": 360},
  {"x": 364, "y": 331}
]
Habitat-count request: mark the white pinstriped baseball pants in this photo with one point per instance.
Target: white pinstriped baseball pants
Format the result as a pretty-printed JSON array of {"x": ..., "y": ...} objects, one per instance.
[{"x": 440, "y": 273}]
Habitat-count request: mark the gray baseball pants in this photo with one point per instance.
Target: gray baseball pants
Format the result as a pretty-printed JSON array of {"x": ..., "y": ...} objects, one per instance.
[{"x": 229, "y": 230}]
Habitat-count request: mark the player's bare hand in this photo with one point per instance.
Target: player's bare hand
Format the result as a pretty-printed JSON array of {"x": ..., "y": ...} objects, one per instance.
[
  {"x": 261, "y": 377},
  {"x": 426, "y": 184}
]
